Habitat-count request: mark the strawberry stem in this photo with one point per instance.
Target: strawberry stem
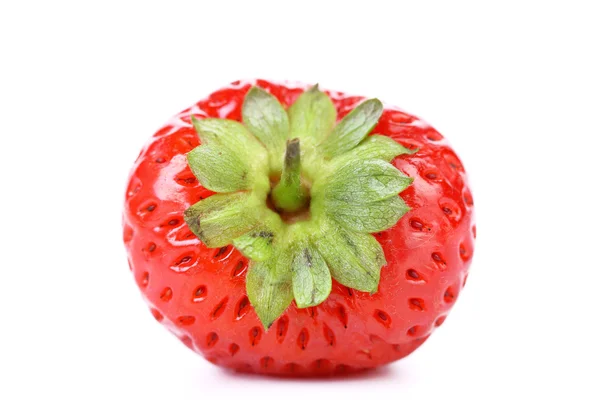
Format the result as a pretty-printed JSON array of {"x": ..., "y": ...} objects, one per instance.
[{"x": 290, "y": 194}]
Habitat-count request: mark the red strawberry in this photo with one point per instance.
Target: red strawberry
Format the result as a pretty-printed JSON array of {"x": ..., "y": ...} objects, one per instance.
[{"x": 279, "y": 272}]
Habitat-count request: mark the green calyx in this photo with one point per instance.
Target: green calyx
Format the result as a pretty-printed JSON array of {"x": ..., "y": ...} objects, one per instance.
[{"x": 298, "y": 195}]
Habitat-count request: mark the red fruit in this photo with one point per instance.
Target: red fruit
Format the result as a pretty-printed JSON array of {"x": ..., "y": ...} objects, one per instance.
[{"x": 199, "y": 293}]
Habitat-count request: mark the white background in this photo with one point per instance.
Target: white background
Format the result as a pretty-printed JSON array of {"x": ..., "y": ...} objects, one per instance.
[{"x": 514, "y": 86}]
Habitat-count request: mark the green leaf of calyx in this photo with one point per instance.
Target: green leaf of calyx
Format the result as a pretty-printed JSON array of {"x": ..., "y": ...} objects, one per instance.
[
  {"x": 312, "y": 116},
  {"x": 370, "y": 218},
  {"x": 266, "y": 119},
  {"x": 269, "y": 288},
  {"x": 311, "y": 280},
  {"x": 258, "y": 243},
  {"x": 353, "y": 128},
  {"x": 220, "y": 218},
  {"x": 219, "y": 169},
  {"x": 364, "y": 182},
  {"x": 374, "y": 147},
  {"x": 233, "y": 136},
  {"x": 354, "y": 259}
]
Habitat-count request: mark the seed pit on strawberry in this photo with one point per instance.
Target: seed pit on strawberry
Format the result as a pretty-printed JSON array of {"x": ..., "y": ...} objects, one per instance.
[
  {"x": 312, "y": 312},
  {"x": 233, "y": 349},
  {"x": 419, "y": 225},
  {"x": 166, "y": 294},
  {"x": 383, "y": 318},
  {"x": 440, "y": 320},
  {"x": 187, "y": 341},
  {"x": 321, "y": 364},
  {"x": 413, "y": 330},
  {"x": 184, "y": 263},
  {"x": 291, "y": 368},
  {"x": 127, "y": 233},
  {"x": 303, "y": 338},
  {"x": 434, "y": 135},
  {"x": 468, "y": 198},
  {"x": 451, "y": 209},
  {"x": 219, "y": 309},
  {"x": 199, "y": 294},
  {"x": 134, "y": 187},
  {"x": 464, "y": 254},
  {"x": 342, "y": 369},
  {"x": 239, "y": 269},
  {"x": 449, "y": 295},
  {"x": 282, "y": 328},
  {"x": 453, "y": 161},
  {"x": 156, "y": 314},
  {"x": 421, "y": 339},
  {"x": 413, "y": 276},
  {"x": 329, "y": 335},
  {"x": 266, "y": 362},
  {"x": 221, "y": 251},
  {"x": 242, "y": 308},
  {"x": 433, "y": 176},
  {"x": 184, "y": 260},
  {"x": 146, "y": 209},
  {"x": 186, "y": 179},
  {"x": 185, "y": 320},
  {"x": 144, "y": 279},
  {"x": 245, "y": 367},
  {"x": 212, "y": 339},
  {"x": 298, "y": 193},
  {"x": 437, "y": 257},
  {"x": 416, "y": 304},
  {"x": 183, "y": 235},
  {"x": 255, "y": 335},
  {"x": 342, "y": 315}
]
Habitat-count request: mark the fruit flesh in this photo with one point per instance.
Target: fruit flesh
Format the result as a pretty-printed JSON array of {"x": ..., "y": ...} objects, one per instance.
[{"x": 199, "y": 293}]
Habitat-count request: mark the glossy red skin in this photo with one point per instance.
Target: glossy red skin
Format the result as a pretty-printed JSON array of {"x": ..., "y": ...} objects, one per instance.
[{"x": 428, "y": 253}]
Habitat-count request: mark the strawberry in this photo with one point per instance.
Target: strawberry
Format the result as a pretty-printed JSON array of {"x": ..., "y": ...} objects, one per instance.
[{"x": 281, "y": 229}]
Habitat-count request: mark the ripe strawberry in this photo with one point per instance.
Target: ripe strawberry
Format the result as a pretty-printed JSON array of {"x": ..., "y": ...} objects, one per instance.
[{"x": 244, "y": 276}]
